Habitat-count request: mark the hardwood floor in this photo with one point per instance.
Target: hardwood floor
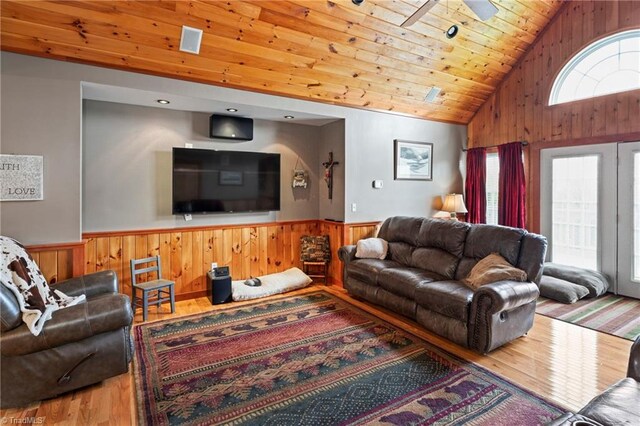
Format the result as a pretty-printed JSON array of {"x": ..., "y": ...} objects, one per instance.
[{"x": 565, "y": 363}]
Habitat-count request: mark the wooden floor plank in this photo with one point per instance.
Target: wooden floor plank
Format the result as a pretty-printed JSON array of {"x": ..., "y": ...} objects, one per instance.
[{"x": 564, "y": 363}]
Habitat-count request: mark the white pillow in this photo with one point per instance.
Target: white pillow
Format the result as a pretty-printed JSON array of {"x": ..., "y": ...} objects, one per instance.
[{"x": 372, "y": 248}]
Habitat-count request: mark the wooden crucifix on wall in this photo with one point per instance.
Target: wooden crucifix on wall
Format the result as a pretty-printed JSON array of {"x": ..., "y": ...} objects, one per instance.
[{"x": 328, "y": 173}]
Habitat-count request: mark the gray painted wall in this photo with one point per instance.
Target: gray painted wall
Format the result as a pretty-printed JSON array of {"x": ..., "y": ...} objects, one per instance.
[
  {"x": 332, "y": 139},
  {"x": 369, "y": 156},
  {"x": 41, "y": 116},
  {"x": 127, "y": 166},
  {"x": 54, "y": 100}
]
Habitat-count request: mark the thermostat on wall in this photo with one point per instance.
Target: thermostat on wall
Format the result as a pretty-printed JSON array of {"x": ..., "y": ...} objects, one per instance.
[{"x": 377, "y": 184}]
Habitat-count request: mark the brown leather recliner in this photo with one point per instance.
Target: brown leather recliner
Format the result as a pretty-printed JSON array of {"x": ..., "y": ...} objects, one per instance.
[
  {"x": 80, "y": 345},
  {"x": 618, "y": 405}
]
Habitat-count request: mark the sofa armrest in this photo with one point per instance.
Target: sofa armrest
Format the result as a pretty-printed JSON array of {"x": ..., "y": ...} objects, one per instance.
[
  {"x": 91, "y": 285},
  {"x": 99, "y": 315},
  {"x": 347, "y": 253},
  {"x": 634, "y": 360},
  {"x": 501, "y": 312},
  {"x": 506, "y": 295}
]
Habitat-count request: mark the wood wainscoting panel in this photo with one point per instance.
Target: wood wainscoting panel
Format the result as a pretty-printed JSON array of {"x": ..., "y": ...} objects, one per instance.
[
  {"x": 359, "y": 231},
  {"x": 59, "y": 262},
  {"x": 186, "y": 254}
]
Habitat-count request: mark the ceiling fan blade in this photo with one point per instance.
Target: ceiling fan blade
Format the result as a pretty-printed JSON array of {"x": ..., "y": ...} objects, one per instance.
[
  {"x": 419, "y": 13},
  {"x": 483, "y": 8}
]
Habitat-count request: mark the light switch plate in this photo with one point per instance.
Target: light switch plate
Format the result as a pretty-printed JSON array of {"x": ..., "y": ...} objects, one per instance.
[{"x": 354, "y": 207}]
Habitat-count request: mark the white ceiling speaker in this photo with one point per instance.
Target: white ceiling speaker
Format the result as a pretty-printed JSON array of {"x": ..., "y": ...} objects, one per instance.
[
  {"x": 190, "y": 40},
  {"x": 432, "y": 93}
]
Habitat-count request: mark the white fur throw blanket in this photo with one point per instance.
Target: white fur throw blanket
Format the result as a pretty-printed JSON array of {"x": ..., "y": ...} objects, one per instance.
[
  {"x": 20, "y": 274},
  {"x": 281, "y": 282}
]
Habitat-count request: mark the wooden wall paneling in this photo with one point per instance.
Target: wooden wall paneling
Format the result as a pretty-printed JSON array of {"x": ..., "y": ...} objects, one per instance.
[
  {"x": 208, "y": 254},
  {"x": 65, "y": 264},
  {"x": 128, "y": 253},
  {"x": 36, "y": 257},
  {"x": 49, "y": 265},
  {"x": 271, "y": 250},
  {"x": 226, "y": 257},
  {"x": 141, "y": 253},
  {"x": 186, "y": 263},
  {"x": 197, "y": 254},
  {"x": 254, "y": 250},
  {"x": 577, "y": 25},
  {"x": 245, "y": 251},
  {"x": 90, "y": 256},
  {"x": 176, "y": 260},
  {"x": 236, "y": 253},
  {"x": 285, "y": 256},
  {"x": 280, "y": 242},
  {"x": 116, "y": 262},
  {"x": 165, "y": 254},
  {"x": 263, "y": 247}
]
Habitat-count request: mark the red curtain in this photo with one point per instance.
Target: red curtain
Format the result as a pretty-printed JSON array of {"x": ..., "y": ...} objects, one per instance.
[
  {"x": 474, "y": 187},
  {"x": 511, "y": 190}
]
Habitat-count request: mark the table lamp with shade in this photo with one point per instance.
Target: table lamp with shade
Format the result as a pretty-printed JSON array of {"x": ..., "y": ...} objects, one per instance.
[{"x": 454, "y": 204}]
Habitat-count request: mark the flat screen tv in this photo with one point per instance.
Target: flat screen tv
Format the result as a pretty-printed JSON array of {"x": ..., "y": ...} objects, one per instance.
[{"x": 208, "y": 181}]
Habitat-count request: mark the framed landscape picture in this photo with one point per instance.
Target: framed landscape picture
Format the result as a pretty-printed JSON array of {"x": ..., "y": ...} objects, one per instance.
[{"x": 413, "y": 160}]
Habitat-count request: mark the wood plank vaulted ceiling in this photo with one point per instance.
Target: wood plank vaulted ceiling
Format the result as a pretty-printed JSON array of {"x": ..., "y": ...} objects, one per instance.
[{"x": 328, "y": 51}]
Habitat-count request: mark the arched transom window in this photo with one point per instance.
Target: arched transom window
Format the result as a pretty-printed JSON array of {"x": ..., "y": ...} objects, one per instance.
[{"x": 610, "y": 65}]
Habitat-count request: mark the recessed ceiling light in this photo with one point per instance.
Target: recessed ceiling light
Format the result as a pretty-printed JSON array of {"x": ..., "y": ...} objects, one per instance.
[
  {"x": 163, "y": 101},
  {"x": 232, "y": 110},
  {"x": 289, "y": 117},
  {"x": 452, "y": 31}
]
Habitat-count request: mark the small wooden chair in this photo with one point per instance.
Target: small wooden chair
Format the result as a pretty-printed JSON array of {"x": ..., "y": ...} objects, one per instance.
[
  {"x": 315, "y": 256},
  {"x": 162, "y": 287}
]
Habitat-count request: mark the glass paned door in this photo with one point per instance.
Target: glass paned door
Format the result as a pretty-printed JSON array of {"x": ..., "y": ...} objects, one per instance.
[
  {"x": 574, "y": 211},
  {"x": 578, "y": 206},
  {"x": 629, "y": 219}
]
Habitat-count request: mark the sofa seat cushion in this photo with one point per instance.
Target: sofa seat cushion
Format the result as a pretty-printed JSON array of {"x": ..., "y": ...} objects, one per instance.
[
  {"x": 448, "y": 298},
  {"x": 367, "y": 270},
  {"x": 404, "y": 281},
  {"x": 620, "y": 404}
]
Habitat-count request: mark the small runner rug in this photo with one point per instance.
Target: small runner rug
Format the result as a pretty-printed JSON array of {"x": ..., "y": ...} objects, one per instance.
[
  {"x": 609, "y": 314},
  {"x": 313, "y": 359}
]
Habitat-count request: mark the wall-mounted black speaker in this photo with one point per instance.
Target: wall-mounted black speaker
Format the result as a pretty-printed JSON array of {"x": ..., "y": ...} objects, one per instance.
[{"x": 228, "y": 127}]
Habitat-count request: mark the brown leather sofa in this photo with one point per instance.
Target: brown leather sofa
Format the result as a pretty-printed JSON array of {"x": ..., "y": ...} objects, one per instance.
[
  {"x": 618, "y": 405},
  {"x": 421, "y": 278},
  {"x": 80, "y": 345}
]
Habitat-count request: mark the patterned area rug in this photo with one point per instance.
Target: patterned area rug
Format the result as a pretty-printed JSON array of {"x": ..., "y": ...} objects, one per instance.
[
  {"x": 610, "y": 314},
  {"x": 313, "y": 359}
]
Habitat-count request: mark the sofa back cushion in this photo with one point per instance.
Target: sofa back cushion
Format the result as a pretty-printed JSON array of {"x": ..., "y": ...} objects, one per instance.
[
  {"x": 448, "y": 235},
  {"x": 533, "y": 250},
  {"x": 400, "y": 229},
  {"x": 401, "y": 233},
  {"x": 482, "y": 240},
  {"x": 435, "y": 260},
  {"x": 401, "y": 253}
]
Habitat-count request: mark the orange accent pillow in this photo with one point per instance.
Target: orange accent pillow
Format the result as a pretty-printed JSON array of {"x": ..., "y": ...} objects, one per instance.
[{"x": 491, "y": 269}]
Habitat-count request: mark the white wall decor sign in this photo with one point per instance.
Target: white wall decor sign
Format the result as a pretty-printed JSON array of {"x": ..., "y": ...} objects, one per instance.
[{"x": 21, "y": 177}]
